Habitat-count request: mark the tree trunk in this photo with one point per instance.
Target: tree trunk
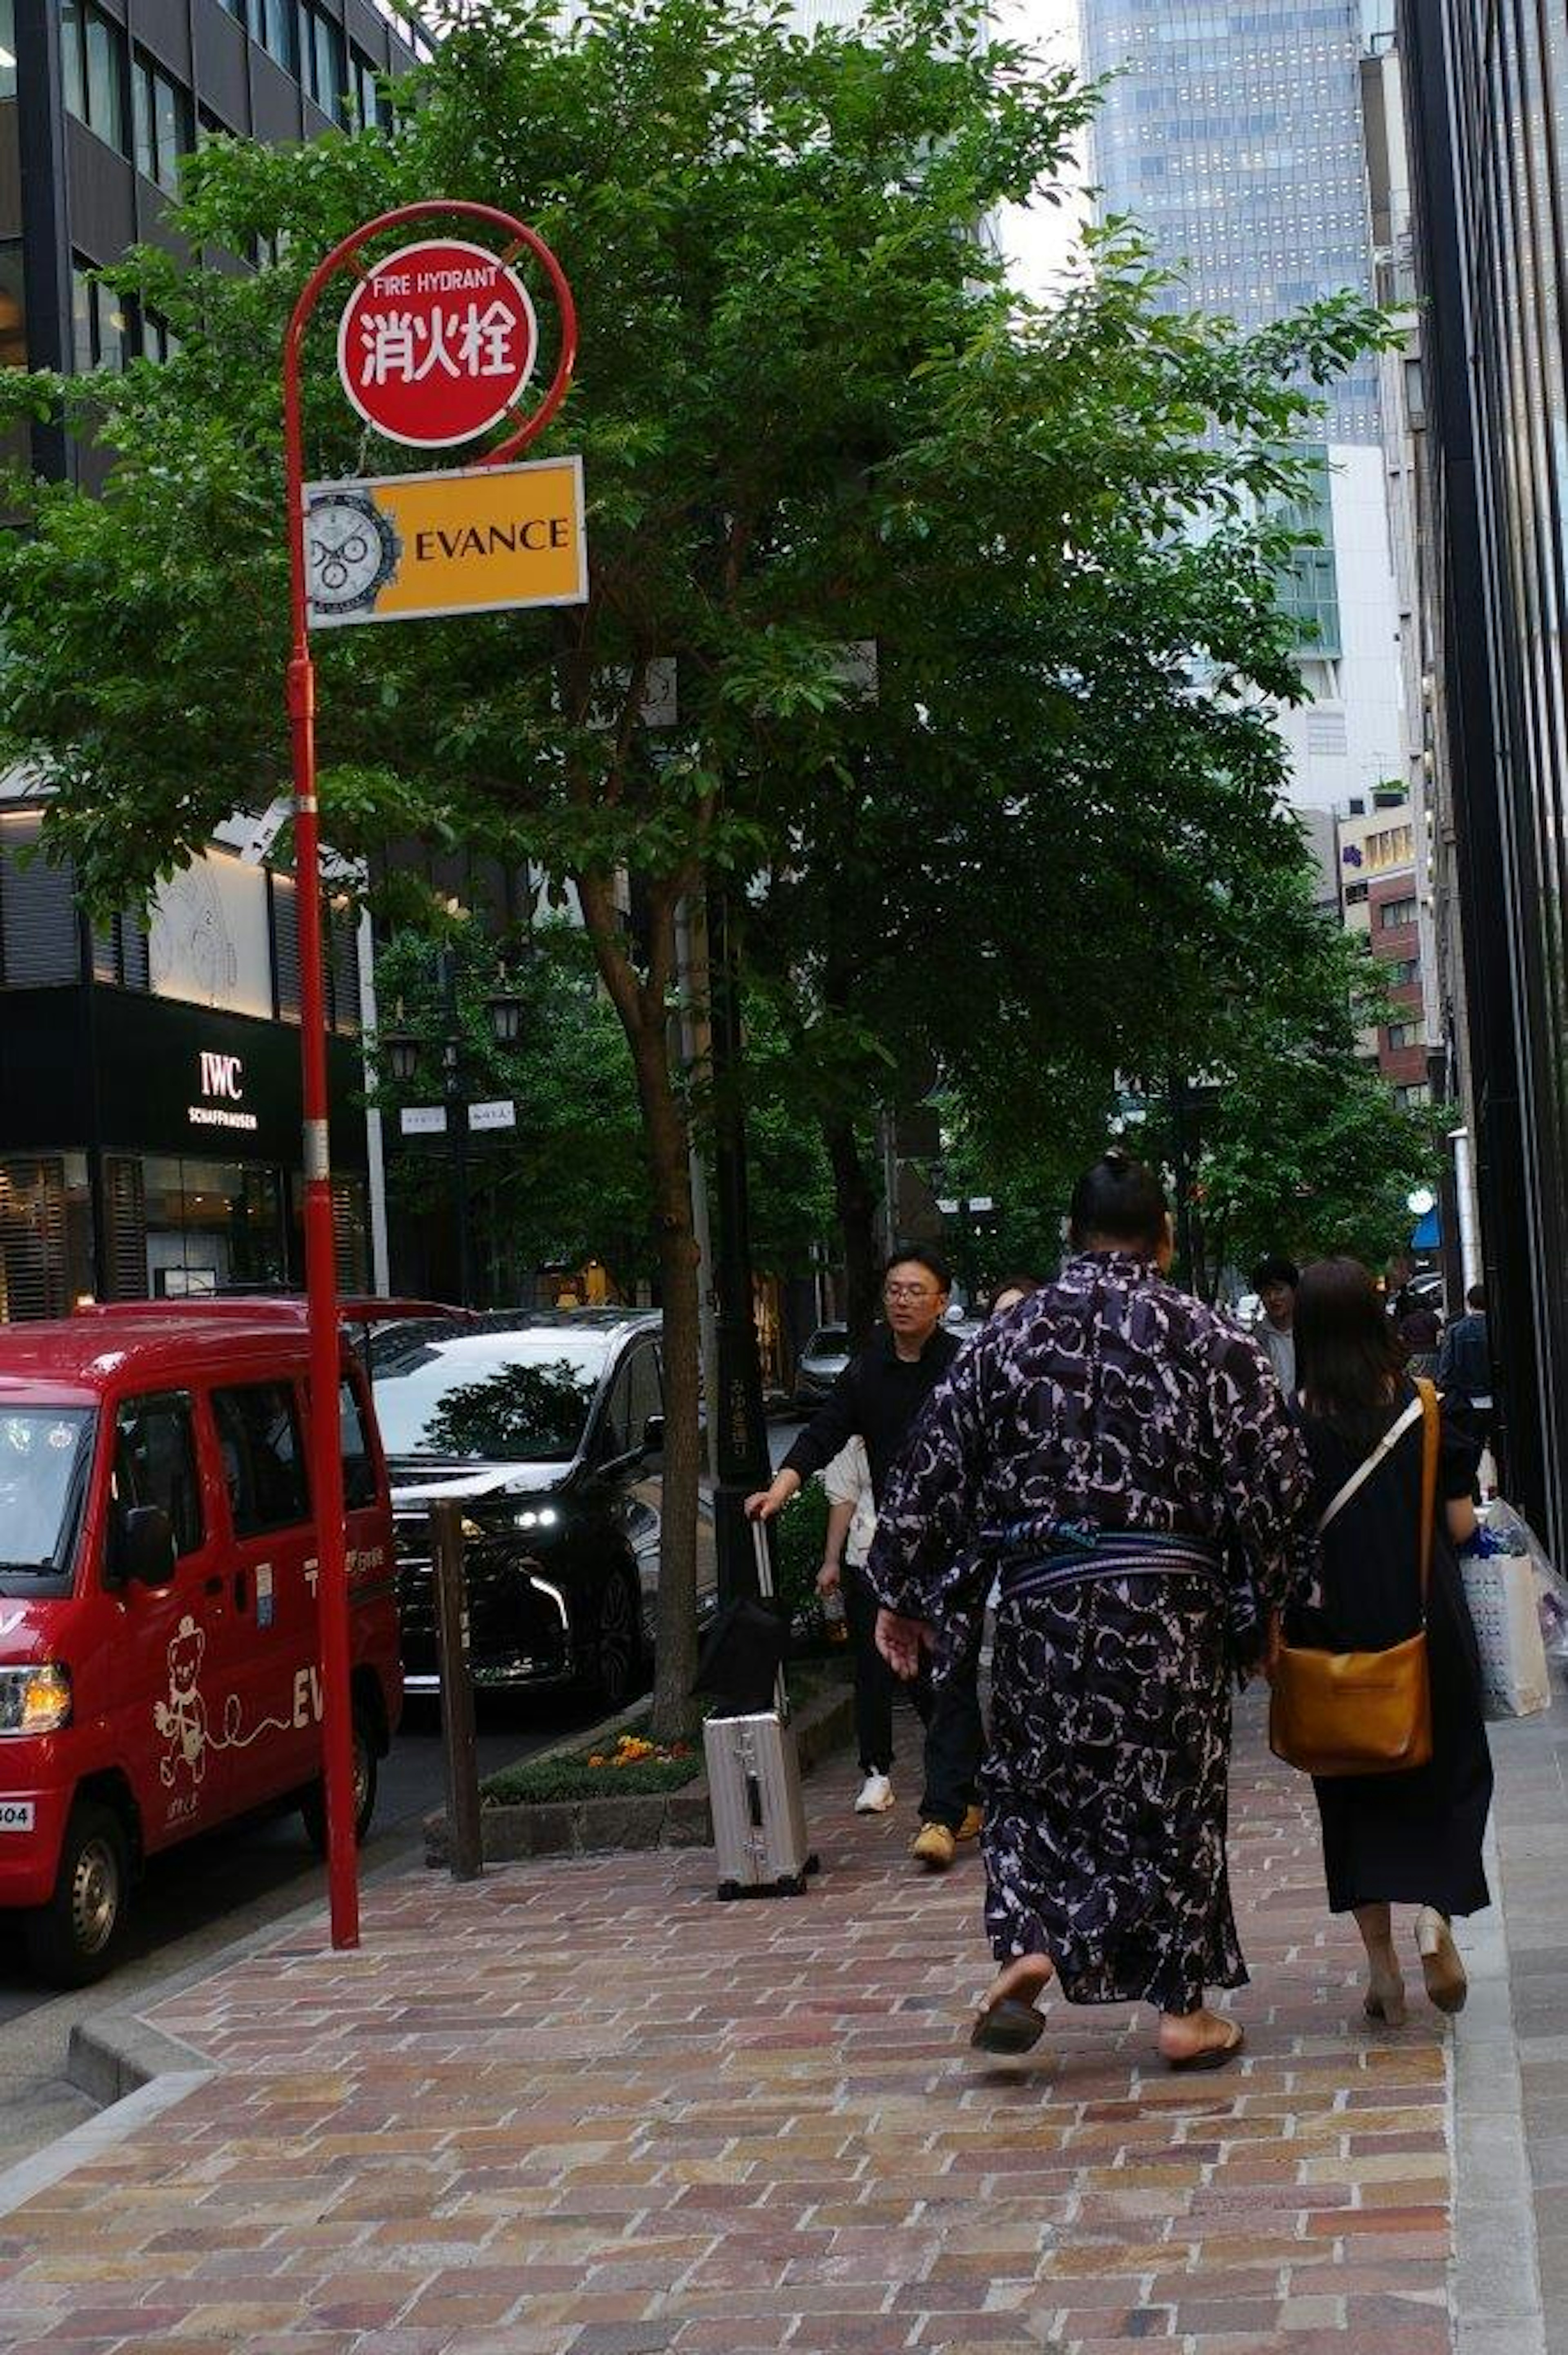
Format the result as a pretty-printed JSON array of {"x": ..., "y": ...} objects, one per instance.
[
  {"x": 640, "y": 1004},
  {"x": 855, "y": 1200}
]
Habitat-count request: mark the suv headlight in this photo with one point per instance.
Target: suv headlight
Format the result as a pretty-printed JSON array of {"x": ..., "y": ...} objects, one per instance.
[{"x": 34, "y": 1700}]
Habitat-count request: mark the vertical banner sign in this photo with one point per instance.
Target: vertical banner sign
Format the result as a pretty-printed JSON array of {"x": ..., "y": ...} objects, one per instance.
[{"x": 436, "y": 345}]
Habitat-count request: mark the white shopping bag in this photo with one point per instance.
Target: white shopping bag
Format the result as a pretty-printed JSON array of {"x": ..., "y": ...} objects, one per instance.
[{"x": 1500, "y": 1591}]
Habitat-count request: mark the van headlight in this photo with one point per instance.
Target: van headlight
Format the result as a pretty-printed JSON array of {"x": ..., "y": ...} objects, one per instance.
[
  {"x": 34, "y": 1700},
  {"x": 537, "y": 1516}
]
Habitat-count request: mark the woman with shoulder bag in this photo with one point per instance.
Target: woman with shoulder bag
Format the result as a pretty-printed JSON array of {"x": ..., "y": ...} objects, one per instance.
[{"x": 1392, "y": 1490}]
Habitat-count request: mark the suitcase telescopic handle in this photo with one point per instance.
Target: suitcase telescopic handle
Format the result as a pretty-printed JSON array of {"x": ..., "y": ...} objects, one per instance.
[
  {"x": 765, "y": 1588},
  {"x": 763, "y": 1560}
]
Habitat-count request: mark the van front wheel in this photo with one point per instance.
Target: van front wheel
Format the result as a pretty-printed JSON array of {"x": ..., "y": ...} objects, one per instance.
[
  {"x": 313, "y": 1804},
  {"x": 71, "y": 1940}
]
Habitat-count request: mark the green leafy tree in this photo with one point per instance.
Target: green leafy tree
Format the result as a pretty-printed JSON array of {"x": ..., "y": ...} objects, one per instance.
[{"x": 811, "y": 413}]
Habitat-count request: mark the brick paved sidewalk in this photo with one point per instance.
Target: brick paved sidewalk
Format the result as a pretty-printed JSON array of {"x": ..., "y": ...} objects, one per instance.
[{"x": 581, "y": 2109}]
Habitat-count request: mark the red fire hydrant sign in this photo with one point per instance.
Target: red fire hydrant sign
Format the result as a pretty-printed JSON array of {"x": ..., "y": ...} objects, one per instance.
[{"x": 437, "y": 343}]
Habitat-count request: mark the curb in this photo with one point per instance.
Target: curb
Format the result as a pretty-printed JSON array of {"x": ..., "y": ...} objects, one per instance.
[{"x": 118, "y": 2056}]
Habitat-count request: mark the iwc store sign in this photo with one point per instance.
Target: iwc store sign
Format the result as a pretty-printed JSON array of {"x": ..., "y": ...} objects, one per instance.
[{"x": 221, "y": 1084}]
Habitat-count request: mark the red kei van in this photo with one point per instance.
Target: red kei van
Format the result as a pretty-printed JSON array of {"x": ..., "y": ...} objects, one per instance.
[{"x": 159, "y": 1654}]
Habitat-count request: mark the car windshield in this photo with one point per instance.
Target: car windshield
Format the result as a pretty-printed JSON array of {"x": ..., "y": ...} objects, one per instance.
[
  {"x": 44, "y": 1455},
  {"x": 493, "y": 1398}
]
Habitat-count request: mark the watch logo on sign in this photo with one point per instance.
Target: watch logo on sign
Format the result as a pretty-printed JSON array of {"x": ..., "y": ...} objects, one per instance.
[{"x": 223, "y": 1078}]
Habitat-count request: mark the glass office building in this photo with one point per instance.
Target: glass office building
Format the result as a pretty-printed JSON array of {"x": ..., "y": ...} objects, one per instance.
[
  {"x": 1487, "y": 102},
  {"x": 1232, "y": 131}
]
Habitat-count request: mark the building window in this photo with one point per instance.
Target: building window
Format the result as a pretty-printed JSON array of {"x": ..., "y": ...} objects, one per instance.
[
  {"x": 1402, "y": 1034},
  {"x": 1416, "y": 1093},
  {"x": 7, "y": 48},
  {"x": 323, "y": 67},
  {"x": 97, "y": 321},
  {"x": 92, "y": 49},
  {"x": 1355, "y": 893},
  {"x": 13, "y": 308},
  {"x": 161, "y": 110},
  {"x": 1400, "y": 972},
  {"x": 370, "y": 105},
  {"x": 1393, "y": 913},
  {"x": 159, "y": 341},
  {"x": 239, "y": 9},
  {"x": 274, "y": 27},
  {"x": 40, "y": 945}
]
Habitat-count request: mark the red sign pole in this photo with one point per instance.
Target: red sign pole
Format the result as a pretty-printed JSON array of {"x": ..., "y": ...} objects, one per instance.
[{"x": 321, "y": 1269}]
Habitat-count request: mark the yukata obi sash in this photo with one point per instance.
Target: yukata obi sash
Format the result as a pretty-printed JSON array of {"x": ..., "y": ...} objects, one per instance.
[{"x": 1075, "y": 1555}]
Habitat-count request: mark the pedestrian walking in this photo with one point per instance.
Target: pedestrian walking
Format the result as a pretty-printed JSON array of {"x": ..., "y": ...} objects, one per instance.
[
  {"x": 1275, "y": 1280},
  {"x": 877, "y": 1398},
  {"x": 1415, "y": 1837},
  {"x": 1465, "y": 1373},
  {"x": 851, "y": 1524},
  {"x": 1112, "y": 1448}
]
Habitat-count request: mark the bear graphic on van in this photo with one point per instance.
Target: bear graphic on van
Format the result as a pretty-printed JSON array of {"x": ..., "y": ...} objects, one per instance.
[{"x": 181, "y": 1720}]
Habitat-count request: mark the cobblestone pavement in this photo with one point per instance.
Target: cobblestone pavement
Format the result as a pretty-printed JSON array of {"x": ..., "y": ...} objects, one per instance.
[{"x": 581, "y": 2109}]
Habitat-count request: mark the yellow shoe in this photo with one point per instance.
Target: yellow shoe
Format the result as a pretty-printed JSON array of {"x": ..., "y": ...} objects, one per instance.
[
  {"x": 970, "y": 1827},
  {"x": 933, "y": 1846}
]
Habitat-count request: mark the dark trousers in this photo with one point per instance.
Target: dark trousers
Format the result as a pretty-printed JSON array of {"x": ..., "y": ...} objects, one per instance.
[{"x": 950, "y": 1711}]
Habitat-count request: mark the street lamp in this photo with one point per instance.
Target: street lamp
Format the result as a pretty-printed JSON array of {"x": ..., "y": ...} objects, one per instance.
[{"x": 403, "y": 1047}]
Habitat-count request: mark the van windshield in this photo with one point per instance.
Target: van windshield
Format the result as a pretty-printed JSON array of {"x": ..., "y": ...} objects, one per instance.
[{"x": 43, "y": 1456}]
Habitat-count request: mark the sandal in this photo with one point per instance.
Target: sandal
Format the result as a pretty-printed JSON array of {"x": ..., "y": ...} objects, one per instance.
[
  {"x": 1446, "y": 1984},
  {"x": 1210, "y": 2056},
  {"x": 1010, "y": 2026},
  {"x": 1384, "y": 2000}
]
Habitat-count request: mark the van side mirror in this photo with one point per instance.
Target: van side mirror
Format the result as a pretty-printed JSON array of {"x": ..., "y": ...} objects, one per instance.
[
  {"x": 145, "y": 1548},
  {"x": 653, "y": 1436}
]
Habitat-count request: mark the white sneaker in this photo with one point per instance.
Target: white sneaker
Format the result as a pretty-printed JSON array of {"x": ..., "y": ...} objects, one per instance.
[{"x": 875, "y": 1796}]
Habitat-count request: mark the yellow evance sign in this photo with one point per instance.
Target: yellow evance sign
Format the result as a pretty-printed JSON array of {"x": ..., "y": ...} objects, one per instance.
[{"x": 478, "y": 539}]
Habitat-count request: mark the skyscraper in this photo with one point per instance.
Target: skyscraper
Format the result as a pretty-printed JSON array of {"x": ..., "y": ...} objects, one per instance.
[
  {"x": 1234, "y": 135},
  {"x": 1232, "y": 131}
]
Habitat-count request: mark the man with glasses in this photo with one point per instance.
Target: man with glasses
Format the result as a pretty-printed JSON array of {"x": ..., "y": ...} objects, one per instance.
[{"x": 878, "y": 1398}]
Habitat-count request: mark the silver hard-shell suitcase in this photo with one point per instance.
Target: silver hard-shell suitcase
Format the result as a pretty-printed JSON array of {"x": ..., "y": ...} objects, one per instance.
[{"x": 754, "y": 1789}]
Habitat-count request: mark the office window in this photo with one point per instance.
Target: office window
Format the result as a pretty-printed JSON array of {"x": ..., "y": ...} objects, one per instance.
[
  {"x": 369, "y": 103},
  {"x": 13, "y": 308},
  {"x": 7, "y": 48},
  {"x": 161, "y": 108},
  {"x": 323, "y": 67},
  {"x": 159, "y": 341},
  {"x": 93, "y": 54},
  {"x": 1395, "y": 912},
  {"x": 275, "y": 29},
  {"x": 239, "y": 8},
  {"x": 98, "y": 323}
]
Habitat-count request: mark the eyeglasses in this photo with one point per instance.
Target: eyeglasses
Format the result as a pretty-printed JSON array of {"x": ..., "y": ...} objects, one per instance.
[{"x": 909, "y": 1291}]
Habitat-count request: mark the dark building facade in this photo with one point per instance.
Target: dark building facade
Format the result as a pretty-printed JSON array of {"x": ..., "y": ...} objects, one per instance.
[
  {"x": 100, "y": 101},
  {"x": 1487, "y": 102},
  {"x": 150, "y": 1117}
]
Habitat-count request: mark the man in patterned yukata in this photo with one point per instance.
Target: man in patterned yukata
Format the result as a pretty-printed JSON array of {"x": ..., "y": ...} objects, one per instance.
[{"x": 1122, "y": 1457}]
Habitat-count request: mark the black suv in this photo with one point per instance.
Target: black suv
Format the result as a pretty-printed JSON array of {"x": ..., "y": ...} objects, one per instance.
[{"x": 549, "y": 1426}]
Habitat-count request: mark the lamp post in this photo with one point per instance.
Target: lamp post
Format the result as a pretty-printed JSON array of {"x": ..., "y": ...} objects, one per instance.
[
  {"x": 974, "y": 1215},
  {"x": 404, "y": 1049},
  {"x": 740, "y": 1426}
]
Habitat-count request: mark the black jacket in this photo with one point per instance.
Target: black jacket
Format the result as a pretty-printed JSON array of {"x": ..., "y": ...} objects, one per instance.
[
  {"x": 877, "y": 1398},
  {"x": 1464, "y": 1362}
]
